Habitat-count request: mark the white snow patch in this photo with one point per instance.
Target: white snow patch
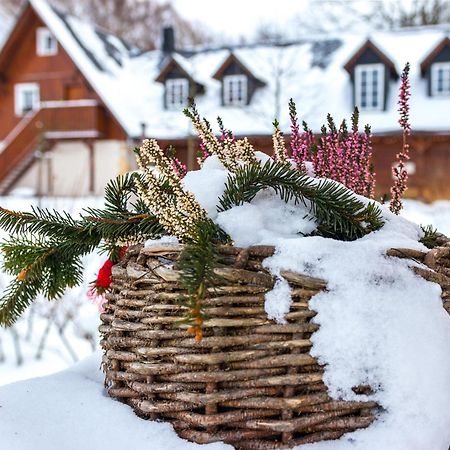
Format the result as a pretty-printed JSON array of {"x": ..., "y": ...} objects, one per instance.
[
  {"x": 383, "y": 326},
  {"x": 71, "y": 411},
  {"x": 264, "y": 219},
  {"x": 278, "y": 301},
  {"x": 167, "y": 240},
  {"x": 436, "y": 214},
  {"x": 207, "y": 184}
]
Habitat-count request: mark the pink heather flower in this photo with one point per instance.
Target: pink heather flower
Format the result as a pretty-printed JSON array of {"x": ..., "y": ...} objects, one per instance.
[
  {"x": 202, "y": 153},
  {"x": 97, "y": 299},
  {"x": 399, "y": 171},
  {"x": 403, "y": 100},
  {"x": 337, "y": 154},
  {"x": 179, "y": 167},
  {"x": 299, "y": 152}
]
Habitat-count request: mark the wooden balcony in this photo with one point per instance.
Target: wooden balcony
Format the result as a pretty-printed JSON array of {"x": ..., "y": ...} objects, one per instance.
[{"x": 53, "y": 121}]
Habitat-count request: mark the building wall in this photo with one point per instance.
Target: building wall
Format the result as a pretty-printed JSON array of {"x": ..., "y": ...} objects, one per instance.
[
  {"x": 65, "y": 173},
  {"x": 430, "y": 159},
  {"x": 111, "y": 159},
  {"x": 66, "y": 169},
  {"x": 57, "y": 76}
]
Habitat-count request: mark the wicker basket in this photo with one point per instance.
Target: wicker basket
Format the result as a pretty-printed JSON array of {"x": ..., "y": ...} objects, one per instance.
[{"x": 250, "y": 382}]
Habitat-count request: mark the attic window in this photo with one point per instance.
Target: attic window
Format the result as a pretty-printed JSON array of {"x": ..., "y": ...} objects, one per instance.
[
  {"x": 177, "y": 92},
  {"x": 369, "y": 87},
  {"x": 440, "y": 79},
  {"x": 26, "y": 98},
  {"x": 46, "y": 44},
  {"x": 235, "y": 91}
]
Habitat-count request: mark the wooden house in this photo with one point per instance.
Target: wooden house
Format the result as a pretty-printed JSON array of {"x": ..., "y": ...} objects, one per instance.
[{"x": 74, "y": 99}]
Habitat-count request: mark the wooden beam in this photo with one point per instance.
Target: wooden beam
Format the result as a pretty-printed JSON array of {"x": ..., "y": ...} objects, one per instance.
[{"x": 90, "y": 145}]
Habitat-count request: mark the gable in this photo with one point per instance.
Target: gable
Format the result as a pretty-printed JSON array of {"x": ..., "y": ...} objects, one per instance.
[
  {"x": 440, "y": 53},
  {"x": 19, "y": 54},
  {"x": 57, "y": 76},
  {"x": 172, "y": 69},
  {"x": 234, "y": 69},
  {"x": 369, "y": 53},
  {"x": 368, "y": 56},
  {"x": 443, "y": 55},
  {"x": 175, "y": 73},
  {"x": 234, "y": 66}
]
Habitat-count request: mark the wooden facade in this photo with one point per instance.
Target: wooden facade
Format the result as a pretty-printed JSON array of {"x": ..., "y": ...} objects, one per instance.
[{"x": 69, "y": 108}]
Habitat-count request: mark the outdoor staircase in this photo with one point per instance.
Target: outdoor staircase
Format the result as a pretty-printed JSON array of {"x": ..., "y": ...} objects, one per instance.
[
  {"x": 53, "y": 121},
  {"x": 13, "y": 175}
]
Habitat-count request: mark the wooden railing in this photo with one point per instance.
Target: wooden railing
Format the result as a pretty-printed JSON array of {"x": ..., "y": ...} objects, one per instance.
[{"x": 58, "y": 120}]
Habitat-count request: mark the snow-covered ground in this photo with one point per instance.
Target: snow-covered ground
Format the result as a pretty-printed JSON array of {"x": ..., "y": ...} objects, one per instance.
[
  {"x": 436, "y": 214},
  {"x": 408, "y": 339},
  {"x": 70, "y": 411}
]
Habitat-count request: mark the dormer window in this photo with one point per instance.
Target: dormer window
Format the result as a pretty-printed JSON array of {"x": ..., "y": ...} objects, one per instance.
[
  {"x": 177, "y": 92},
  {"x": 239, "y": 83},
  {"x": 440, "y": 79},
  {"x": 371, "y": 71},
  {"x": 235, "y": 90},
  {"x": 46, "y": 44},
  {"x": 369, "y": 86}
]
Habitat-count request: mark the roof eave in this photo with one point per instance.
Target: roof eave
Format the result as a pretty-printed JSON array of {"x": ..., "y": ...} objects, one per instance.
[
  {"x": 432, "y": 55},
  {"x": 350, "y": 64}
]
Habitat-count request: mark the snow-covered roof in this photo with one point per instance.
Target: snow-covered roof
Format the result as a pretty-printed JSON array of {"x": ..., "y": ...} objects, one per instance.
[
  {"x": 310, "y": 71},
  {"x": 6, "y": 22}
]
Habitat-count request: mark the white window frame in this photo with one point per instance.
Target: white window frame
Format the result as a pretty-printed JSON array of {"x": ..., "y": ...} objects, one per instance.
[
  {"x": 230, "y": 89},
  {"x": 43, "y": 37},
  {"x": 177, "y": 92},
  {"x": 369, "y": 68},
  {"x": 19, "y": 100},
  {"x": 435, "y": 67}
]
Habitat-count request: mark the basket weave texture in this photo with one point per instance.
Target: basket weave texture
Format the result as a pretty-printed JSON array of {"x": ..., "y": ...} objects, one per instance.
[{"x": 250, "y": 382}]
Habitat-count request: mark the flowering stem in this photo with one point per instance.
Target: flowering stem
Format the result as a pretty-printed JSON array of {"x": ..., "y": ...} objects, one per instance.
[{"x": 399, "y": 172}]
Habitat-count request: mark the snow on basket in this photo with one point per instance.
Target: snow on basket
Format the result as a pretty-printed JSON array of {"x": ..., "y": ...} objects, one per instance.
[{"x": 266, "y": 302}]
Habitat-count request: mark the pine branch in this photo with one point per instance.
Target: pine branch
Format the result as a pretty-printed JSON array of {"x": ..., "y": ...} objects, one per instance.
[
  {"x": 337, "y": 210},
  {"x": 39, "y": 267},
  {"x": 16, "y": 299},
  {"x": 40, "y": 221},
  {"x": 45, "y": 250},
  {"x": 430, "y": 236},
  {"x": 119, "y": 190},
  {"x": 196, "y": 263}
]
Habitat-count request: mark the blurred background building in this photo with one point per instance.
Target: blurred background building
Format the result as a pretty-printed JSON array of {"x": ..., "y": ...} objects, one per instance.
[{"x": 74, "y": 98}]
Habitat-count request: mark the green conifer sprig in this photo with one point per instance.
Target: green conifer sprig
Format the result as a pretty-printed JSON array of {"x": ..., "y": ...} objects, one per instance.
[
  {"x": 196, "y": 264},
  {"x": 430, "y": 236},
  {"x": 40, "y": 266},
  {"x": 337, "y": 210},
  {"x": 45, "y": 248}
]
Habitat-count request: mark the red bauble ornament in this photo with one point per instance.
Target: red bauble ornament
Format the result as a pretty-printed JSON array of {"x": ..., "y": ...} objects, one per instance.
[{"x": 104, "y": 275}]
